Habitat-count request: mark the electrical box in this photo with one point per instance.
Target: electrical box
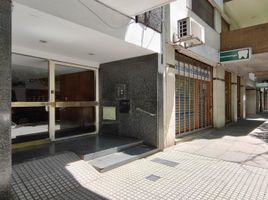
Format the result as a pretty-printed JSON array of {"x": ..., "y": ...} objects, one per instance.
[{"x": 124, "y": 106}]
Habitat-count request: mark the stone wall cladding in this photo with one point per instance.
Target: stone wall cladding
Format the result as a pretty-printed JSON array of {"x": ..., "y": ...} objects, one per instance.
[
  {"x": 140, "y": 76},
  {"x": 5, "y": 98}
]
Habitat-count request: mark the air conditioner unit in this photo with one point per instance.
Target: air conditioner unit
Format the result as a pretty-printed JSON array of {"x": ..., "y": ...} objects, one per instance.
[{"x": 189, "y": 33}]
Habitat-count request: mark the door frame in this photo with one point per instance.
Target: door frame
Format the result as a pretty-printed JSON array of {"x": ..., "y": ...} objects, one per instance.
[{"x": 53, "y": 104}]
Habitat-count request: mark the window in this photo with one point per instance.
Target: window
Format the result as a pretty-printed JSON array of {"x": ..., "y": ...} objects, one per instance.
[{"x": 204, "y": 10}]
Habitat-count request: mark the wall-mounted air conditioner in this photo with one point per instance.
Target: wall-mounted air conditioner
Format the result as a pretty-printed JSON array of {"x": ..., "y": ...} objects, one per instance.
[{"x": 189, "y": 33}]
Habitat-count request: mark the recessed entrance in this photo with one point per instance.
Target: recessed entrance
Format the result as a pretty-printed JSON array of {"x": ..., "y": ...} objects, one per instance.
[{"x": 52, "y": 99}]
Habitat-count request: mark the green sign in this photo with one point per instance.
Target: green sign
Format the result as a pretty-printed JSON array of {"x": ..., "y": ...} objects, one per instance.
[
  {"x": 235, "y": 55},
  {"x": 262, "y": 85}
]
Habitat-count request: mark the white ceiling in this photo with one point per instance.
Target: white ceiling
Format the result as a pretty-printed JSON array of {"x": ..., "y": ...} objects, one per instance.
[
  {"x": 257, "y": 63},
  {"x": 94, "y": 14},
  {"x": 134, "y": 7},
  {"x": 248, "y": 12},
  {"x": 66, "y": 38}
]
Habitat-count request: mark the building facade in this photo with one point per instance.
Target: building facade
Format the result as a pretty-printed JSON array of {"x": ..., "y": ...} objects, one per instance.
[{"x": 151, "y": 72}]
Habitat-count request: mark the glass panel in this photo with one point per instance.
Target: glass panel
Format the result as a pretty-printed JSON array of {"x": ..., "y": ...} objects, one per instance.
[
  {"x": 74, "y": 121},
  {"x": 29, "y": 124},
  {"x": 29, "y": 79},
  {"x": 74, "y": 84},
  {"x": 29, "y": 84}
]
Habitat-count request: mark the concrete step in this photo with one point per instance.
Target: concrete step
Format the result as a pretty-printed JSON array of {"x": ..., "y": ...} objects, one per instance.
[
  {"x": 114, "y": 160},
  {"x": 98, "y": 154}
]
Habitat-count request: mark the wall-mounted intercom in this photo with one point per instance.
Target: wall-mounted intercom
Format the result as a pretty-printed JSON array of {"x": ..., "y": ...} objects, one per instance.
[{"x": 121, "y": 91}]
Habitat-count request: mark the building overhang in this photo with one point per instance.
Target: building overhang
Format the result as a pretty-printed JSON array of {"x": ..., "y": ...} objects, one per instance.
[
  {"x": 43, "y": 35},
  {"x": 132, "y": 8}
]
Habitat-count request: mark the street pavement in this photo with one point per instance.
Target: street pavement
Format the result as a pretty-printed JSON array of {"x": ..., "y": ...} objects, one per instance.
[{"x": 229, "y": 163}]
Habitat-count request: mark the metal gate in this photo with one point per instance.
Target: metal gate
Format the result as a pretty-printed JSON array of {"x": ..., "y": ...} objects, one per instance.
[{"x": 193, "y": 95}]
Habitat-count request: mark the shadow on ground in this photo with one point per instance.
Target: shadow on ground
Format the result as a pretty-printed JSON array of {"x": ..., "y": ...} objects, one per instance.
[
  {"x": 62, "y": 176},
  {"x": 244, "y": 142},
  {"x": 241, "y": 128}
]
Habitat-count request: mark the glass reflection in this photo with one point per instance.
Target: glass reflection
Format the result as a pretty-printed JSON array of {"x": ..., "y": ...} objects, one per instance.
[
  {"x": 29, "y": 84},
  {"x": 74, "y": 121}
]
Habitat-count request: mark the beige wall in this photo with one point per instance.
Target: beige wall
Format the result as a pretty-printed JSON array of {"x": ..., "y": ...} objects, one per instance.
[
  {"x": 170, "y": 124},
  {"x": 250, "y": 102},
  {"x": 218, "y": 97},
  {"x": 243, "y": 38}
]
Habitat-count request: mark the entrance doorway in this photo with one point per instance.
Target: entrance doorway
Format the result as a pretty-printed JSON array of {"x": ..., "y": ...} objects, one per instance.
[
  {"x": 30, "y": 100},
  {"x": 52, "y": 99}
]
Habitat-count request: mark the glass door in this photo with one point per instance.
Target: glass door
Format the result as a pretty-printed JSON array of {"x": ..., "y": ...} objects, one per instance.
[
  {"x": 73, "y": 99},
  {"x": 30, "y": 84}
]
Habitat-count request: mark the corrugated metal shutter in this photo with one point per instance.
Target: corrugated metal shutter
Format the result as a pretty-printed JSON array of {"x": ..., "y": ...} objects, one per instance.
[{"x": 193, "y": 95}]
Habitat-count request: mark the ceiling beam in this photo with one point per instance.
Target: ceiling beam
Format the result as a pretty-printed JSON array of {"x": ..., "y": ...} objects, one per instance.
[{"x": 261, "y": 74}]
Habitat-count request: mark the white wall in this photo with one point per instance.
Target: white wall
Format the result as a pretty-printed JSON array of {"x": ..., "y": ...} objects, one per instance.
[
  {"x": 181, "y": 9},
  {"x": 218, "y": 97},
  {"x": 143, "y": 36}
]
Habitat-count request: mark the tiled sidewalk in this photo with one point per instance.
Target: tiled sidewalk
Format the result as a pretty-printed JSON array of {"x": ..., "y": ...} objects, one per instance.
[
  {"x": 244, "y": 143},
  {"x": 193, "y": 177},
  {"x": 231, "y": 163}
]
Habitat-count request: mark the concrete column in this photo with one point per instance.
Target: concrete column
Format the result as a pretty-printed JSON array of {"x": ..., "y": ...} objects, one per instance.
[
  {"x": 262, "y": 99},
  {"x": 5, "y": 98},
  {"x": 169, "y": 128},
  {"x": 243, "y": 98},
  {"x": 218, "y": 97},
  {"x": 170, "y": 124},
  {"x": 251, "y": 101},
  {"x": 234, "y": 98}
]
